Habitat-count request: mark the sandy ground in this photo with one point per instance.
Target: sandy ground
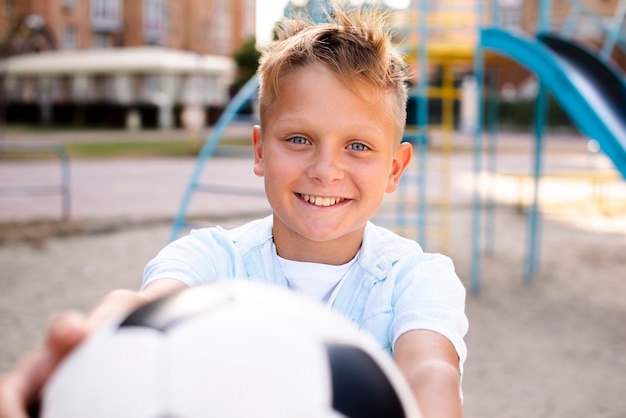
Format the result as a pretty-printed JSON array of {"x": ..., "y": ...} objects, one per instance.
[{"x": 549, "y": 347}]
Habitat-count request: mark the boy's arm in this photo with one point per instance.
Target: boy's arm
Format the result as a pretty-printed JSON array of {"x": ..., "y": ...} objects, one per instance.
[
  {"x": 121, "y": 301},
  {"x": 20, "y": 386},
  {"x": 430, "y": 364}
]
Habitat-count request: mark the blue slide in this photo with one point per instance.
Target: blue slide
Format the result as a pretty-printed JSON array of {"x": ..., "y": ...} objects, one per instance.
[{"x": 589, "y": 91}]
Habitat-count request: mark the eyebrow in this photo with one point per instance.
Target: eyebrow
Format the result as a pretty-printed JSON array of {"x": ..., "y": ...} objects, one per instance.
[{"x": 367, "y": 127}]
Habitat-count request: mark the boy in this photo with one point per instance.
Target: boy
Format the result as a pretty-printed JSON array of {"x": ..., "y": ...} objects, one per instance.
[{"x": 332, "y": 107}]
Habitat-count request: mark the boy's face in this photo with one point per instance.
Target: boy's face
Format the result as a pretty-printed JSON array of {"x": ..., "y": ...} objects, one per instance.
[{"x": 328, "y": 157}]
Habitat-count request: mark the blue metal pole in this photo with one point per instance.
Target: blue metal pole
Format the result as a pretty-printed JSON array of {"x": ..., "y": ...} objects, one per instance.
[
  {"x": 545, "y": 10},
  {"x": 495, "y": 13},
  {"x": 478, "y": 128},
  {"x": 492, "y": 121},
  {"x": 492, "y": 127},
  {"x": 614, "y": 30},
  {"x": 317, "y": 10},
  {"x": 541, "y": 110},
  {"x": 65, "y": 181},
  {"x": 231, "y": 110},
  {"x": 532, "y": 243},
  {"x": 422, "y": 122}
]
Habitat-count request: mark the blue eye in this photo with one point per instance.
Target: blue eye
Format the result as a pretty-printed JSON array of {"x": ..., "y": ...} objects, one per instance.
[
  {"x": 357, "y": 146},
  {"x": 299, "y": 140}
]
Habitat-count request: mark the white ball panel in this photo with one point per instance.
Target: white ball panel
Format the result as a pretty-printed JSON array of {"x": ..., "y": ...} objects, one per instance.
[
  {"x": 254, "y": 354},
  {"x": 124, "y": 368}
]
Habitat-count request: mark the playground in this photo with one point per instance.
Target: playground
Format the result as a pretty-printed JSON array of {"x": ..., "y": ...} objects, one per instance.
[
  {"x": 549, "y": 347},
  {"x": 535, "y": 221}
]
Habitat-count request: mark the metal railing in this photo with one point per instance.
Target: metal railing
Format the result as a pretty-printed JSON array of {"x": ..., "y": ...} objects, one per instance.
[
  {"x": 62, "y": 189},
  {"x": 613, "y": 30}
]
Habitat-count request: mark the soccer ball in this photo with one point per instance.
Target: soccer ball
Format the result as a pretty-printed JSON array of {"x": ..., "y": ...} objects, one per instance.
[{"x": 235, "y": 349}]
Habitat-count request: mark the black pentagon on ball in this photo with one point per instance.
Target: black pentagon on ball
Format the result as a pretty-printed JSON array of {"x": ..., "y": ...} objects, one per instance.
[
  {"x": 163, "y": 313},
  {"x": 360, "y": 387}
]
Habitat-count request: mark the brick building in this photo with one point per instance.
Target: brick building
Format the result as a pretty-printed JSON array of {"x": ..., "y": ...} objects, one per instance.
[
  {"x": 106, "y": 62},
  {"x": 204, "y": 26}
]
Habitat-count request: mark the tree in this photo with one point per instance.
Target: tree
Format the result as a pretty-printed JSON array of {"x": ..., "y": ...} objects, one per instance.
[{"x": 247, "y": 60}]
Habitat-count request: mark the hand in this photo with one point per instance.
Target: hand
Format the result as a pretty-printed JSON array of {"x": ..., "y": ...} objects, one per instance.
[{"x": 20, "y": 387}]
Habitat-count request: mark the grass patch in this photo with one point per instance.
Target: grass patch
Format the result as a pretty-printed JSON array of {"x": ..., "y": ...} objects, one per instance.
[
  {"x": 121, "y": 149},
  {"x": 133, "y": 149},
  {"x": 55, "y": 129}
]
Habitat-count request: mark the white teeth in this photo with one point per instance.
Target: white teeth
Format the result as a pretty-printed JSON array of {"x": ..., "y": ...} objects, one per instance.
[{"x": 322, "y": 201}]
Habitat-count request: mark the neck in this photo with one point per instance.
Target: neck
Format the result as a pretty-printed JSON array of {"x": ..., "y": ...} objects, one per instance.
[{"x": 295, "y": 247}]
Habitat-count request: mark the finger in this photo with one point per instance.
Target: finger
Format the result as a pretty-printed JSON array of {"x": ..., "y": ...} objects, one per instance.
[
  {"x": 114, "y": 304},
  {"x": 66, "y": 330},
  {"x": 20, "y": 386}
]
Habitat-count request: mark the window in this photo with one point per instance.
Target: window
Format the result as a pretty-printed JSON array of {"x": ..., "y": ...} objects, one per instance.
[
  {"x": 154, "y": 21},
  {"x": 106, "y": 15},
  {"x": 69, "y": 38},
  {"x": 222, "y": 27}
]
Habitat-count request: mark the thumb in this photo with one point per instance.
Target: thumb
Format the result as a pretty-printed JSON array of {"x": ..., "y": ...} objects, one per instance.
[
  {"x": 65, "y": 332},
  {"x": 20, "y": 387}
]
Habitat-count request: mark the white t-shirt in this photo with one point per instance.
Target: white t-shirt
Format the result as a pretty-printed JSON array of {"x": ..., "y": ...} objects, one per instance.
[{"x": 318, "y": 281}]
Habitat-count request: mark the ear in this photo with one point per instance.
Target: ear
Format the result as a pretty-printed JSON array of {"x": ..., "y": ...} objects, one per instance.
[
  {"x": 257, "y": 145},
  {"x": 400, "y": 162}
]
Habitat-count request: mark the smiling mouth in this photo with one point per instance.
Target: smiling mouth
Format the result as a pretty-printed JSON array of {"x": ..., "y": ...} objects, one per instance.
[{"x": 322, "y": 201}]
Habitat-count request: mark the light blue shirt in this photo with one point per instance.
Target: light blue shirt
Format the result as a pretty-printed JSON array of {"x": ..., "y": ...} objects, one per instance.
[{"x": 393, "y": 288}]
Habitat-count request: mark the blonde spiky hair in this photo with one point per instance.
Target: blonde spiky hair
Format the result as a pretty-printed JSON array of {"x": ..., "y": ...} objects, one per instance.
[{"x": 356, "y": 47}]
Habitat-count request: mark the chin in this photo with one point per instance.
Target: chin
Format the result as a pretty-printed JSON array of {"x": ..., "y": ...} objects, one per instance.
[{"x": 330, "y": 234}]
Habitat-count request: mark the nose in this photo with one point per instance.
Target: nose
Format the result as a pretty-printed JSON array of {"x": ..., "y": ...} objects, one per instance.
[{"x": 327, "y": 166}]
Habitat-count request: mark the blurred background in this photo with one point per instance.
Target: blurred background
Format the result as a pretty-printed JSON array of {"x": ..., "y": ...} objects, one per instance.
[{"x": 123, "y": 123}]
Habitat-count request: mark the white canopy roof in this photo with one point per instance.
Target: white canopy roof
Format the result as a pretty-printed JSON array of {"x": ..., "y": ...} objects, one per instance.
[{"x": 152, "y": 60}]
